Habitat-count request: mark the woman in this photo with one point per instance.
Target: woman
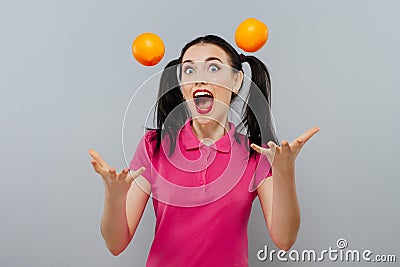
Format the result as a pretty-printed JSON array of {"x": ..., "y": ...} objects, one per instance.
[{"x": 201, "y": 221}]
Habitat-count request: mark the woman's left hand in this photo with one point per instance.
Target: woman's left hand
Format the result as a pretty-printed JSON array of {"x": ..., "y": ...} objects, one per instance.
[{"x": 283, "y": 157}]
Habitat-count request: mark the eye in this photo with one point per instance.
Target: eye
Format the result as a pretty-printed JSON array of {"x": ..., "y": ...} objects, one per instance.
[
  {"x": 213, "y": 68},
  {"x": 188, "y": 70}
]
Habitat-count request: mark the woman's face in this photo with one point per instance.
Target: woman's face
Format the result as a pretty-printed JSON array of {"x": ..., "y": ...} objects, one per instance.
[{"x": 208, "y": 81}]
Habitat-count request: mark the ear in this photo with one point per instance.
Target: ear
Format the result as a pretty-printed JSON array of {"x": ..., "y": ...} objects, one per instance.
[{"x": 237, "y": 81}]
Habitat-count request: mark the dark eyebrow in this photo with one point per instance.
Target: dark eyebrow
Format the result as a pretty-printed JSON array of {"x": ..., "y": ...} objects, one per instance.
[{"x": 208, "y": 59}]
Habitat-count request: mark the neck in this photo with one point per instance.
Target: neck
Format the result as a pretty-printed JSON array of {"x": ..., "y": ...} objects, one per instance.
[{"x": 211, "y": 131}]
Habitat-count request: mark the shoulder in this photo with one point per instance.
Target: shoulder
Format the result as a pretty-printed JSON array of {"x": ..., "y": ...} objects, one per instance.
[
  {"x": 149, "y": 141},
  {"x": 243, "y": 142},
  {"x": 242, "y": 139},
  {"x": 150, "y": 136}
]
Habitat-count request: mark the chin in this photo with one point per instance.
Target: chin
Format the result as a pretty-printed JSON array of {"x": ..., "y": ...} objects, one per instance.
[
  {"x": 204, "y": 119},
  {"x": 208, "y": 119}
]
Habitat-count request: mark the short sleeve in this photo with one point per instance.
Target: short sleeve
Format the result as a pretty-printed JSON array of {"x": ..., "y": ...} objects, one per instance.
[
  {"x": 142, "y": 157},
  {"x": 262, "y": 172}
]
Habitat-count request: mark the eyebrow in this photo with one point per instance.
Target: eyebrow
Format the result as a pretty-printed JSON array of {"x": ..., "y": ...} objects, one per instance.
[{"x": 208, "y": 59}]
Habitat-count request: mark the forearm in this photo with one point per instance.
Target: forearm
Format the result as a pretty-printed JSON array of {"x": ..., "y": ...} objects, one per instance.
[
  {"x": 285, "y": 208},
  {"x": 114, "y": 225}
]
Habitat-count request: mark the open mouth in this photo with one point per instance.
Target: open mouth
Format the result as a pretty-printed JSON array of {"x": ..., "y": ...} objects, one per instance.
[{"x": 203, "y": 100}]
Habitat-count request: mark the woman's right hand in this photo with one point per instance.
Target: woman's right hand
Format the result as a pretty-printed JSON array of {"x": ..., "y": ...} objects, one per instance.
[{"x": 114, "y": 182}]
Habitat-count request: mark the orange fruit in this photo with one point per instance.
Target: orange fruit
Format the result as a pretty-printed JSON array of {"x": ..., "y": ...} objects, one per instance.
[
  {"x": 148, "y": 49},
  {"x": 251, "y": 35}
]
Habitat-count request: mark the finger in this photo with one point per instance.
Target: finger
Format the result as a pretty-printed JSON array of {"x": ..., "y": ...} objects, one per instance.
[
  {"x": 271, "y": 145},
  {"x": 257, "y": 148},
  {"x": 301, "y": 140},
  {"x": 98, "y": 168},
  {"x": 269, "y": 152},
  {"x": 133, "y": 174},
  {"x": 285, "y": 146},
  {"x": 112, "y": 173},
  {"x": 297, "y": 143},
  {"x": 98, "y": 158},
  {"x": 123, "y": 174},
  {"x": 262, "y": 150},
  {"x": 308, "y": 134}
]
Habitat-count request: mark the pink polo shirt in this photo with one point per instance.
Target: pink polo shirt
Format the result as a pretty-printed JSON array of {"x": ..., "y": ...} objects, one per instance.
[{"x": 202, "y": 197}]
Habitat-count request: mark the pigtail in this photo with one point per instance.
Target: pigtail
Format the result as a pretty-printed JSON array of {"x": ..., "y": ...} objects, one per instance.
[
  {"x": 257, "y": 117},
  {"x": 171, "y": 114}
]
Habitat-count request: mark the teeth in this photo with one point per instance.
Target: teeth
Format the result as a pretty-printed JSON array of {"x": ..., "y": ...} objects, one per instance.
[{"x": 199, "y": 94}]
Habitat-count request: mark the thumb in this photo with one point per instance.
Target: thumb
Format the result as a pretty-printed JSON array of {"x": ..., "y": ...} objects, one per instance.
[
  {"x": 133, "y": 174},
  {"x": 257, "y": 148}
]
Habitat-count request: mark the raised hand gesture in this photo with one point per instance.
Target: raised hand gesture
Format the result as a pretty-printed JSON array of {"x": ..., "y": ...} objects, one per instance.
[
  {"x": 283, "y": 158},
  {"x": 116, "y": 182}
]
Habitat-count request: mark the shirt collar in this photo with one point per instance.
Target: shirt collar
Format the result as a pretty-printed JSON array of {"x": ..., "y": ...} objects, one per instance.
[{"x": 190, "y": 140}]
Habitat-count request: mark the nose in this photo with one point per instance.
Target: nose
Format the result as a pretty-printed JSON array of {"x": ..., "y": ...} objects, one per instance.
[{"x": 200, "y": 83}]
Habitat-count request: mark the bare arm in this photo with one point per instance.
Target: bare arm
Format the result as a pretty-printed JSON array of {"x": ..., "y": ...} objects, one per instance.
[
  {"x": 136, "y": 202},
  {"x": 277, "y": 195},
  {"x": 124, "y": 203},
  {"x": 280, "y": 207}
]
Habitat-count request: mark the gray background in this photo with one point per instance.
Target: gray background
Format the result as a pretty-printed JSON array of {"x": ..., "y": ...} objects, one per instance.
[{"x": 67, "y": 75}]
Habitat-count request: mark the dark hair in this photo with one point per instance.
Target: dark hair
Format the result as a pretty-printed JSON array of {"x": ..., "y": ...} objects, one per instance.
[{"x": 256, "y": 119}]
